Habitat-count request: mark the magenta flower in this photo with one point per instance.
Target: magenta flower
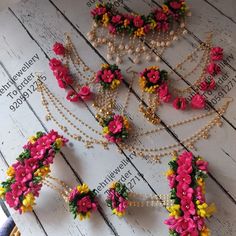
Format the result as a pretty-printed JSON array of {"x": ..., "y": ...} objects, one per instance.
[
  {"x": 73, "y": 194},
  {"x": 23, "y": 174},
  {"x": 112, "y": 29},
  {"x": 61, "y": 72},
  {"x": 138, "y": 21},
  {"x": 61, "y": 83},
  {"x": 187, "y": 206},
  {"x": 31, "y": 163},
  {"x": 18, "y": 189},
  {"x": 110, "y": 138},
  {"x": 163, "y": 93},
  {"x": 54, "y": 63},
  {"x": 208, "y": 84},
  {"x": 187, "y": 169},
  {"x": 175, "y": 5},
  {"x": 184, "y": 178},
  {"x": 37, "y": 152},
  {"x": 98, "y": 11},
  {"x": 216, "y": 54},
  {"x": 84, "y": 204},
  {"x": 115, "y": 126},
  {"x": 34, "y": 189},
  {"x": 199, "y": 221},
  {"x": 85, "y": 93},
  {"x": 199, "y": 194},
  {"x": 122, "y": 205},
  {"x": 184, "y": 192},
  {"x": 213, "y": 69},
  {"x": 171, "y": 180},
  {"x": 202, "y": 165},
  {"x": 180, "y": 103},
  {"x": 161, "y": 16},
  {"x": 12, "y": 200},
  {"x": 185, "y": 159},
  {"x": 59, "y": 49},
  {"x": 107, "y": 76},
  {"x": 153, "y": 76},
  {"x": 72, "y": 96},
  {"x": 198, "y": 101},
  {"x": 185, "y": 225},
  {"x": 118, "y": 75},
  {"x": 116, "y": 19}
]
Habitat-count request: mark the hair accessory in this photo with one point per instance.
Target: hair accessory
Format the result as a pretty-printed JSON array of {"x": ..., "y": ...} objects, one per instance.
[
  {"x": 186, "y": 178},
  {"x": 32, "y": 167},
  {"x": 159, "y": 29},
  {"x": 119, "y": 198}
]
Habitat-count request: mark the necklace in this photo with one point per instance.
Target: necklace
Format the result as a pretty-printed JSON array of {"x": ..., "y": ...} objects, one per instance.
[
  {"x": 159, "y": 29},
  {"x": 153, "y": 154}
]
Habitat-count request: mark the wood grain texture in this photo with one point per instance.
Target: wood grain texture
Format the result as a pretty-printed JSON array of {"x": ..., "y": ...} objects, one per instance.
[{"x": 37, "y": 25}]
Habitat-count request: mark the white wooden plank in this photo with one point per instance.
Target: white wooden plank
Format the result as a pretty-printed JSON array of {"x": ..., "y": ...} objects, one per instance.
[{"x": 212, "y": 153}]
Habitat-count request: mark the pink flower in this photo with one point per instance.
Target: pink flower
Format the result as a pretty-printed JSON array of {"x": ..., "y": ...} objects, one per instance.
[
  {"x": 184, "y": 178},
  {"x": 163, "y": 93},
  {"x": 12, "y": 200},
  {"x": 175, "y": 5},
  {"x": 184, "y": 192},
  {"x": 61, "y": 83},
  {"x": 146, "y": 28},
  {"x": 180, "y": 103},
  {"x": 84, "y": 204},
  {"x": 85, "y": 93},
  {"x": 61, "y": 72},
  {"x": 199, "y": 194},
  {"x": 118, "y": 75},
  {"x": 18, "y": 189},
  {"x": 200, "y": 223},
  {"x": 216, "y": 54},
  {"x": 110, "y": 138},
  {"x": 161, "y": 16},
  {"x": 107, "y": 76},
  {"x": 73, "y": 194},
  {"x": 185, "y": 159},
  {"x": 202, "y": 165},
  {"x": 198, "y": 101},
  {"x": 122, "y": 205},
  {"x": 54, "y": 63},
  {"x": 44, "y": 142},
  {"x": 98, "y": 11},
  {"x": 115, "y": 126},
  {"x": 165, "y": 26},
  {"x": 171, "y": 180},
  {"x": 59, "y": 49},
  {"x": 153, "y": 76},
  {"x": 72, "y": 96},
  {"x": 31, "y": 163},
  {"x": 33, "y": 188},
  {"x": 116, "y": 19},
  {"x": 23, "y": 174},
  {"x": 68, "y": 80},
  {"x": 187, "y": 169},
  {"x": 37, "y": 152},
  {"x": 187, "y": 206},
  {"x": 138, "y": 21},
  {"x": 112, "y": 29},
  {"x": 213, "y": 69},
  {"x": 208, "y": 84}
]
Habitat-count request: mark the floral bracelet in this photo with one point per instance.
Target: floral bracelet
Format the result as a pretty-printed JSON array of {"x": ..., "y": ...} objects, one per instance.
[{"x": 32, "y": 166}]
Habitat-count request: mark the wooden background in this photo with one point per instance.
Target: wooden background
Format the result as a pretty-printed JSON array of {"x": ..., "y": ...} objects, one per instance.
[{"x": 29, "y": 30}]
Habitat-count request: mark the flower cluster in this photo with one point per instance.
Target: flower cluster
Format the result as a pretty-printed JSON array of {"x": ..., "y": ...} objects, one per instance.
[
  {"x": 186, "y": 178},
  {"x": 117, "y": 198},
  {"x": 154, "y": 80},
  {"x": 64, "y": 78},
  {"x": 32, "y": 166},
  {"x": 82, "y": 201},
  {"x": 115, "y": 128},
  {"x": 139, "y": 25},
  {"x": 109, "y": 76}
]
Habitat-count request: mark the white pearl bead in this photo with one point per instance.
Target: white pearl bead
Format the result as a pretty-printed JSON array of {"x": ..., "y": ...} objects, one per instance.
[
  {"x": 157, "y": 58},
  {"x": 130, "y": 51},
  {"x": 95, "y": 44},
  {"x": 185, "y": 32},
  {"x": 95, "y": 24},
  {"x": 88, "y": 34},
  {"x": 138, "y": 49},
  {"x": 172, "y": 32},
  {"x": 90, "y": 37},
  {"x": 121, "y": 47},
  {"x": 136, "y": 60},
  {"x": 144, "y": 48},
  {"x": 109, "y": 56},
  {"x": 148, "y": 58},
  {"x": 175, "y": 38},
  {"x": 112, "y": 48},
  {"x": 152, "y": 42},
  {"x": 163, "y": 44},
  {"x": 118, "y": 60},
  {"x": 182, "y": 25},
  {"x": 104, "y": 40},
  {"x": 110, "y": 44},
  {"x": 127, "y": 47},
  {"x": 158, "y": 44},
  {"x": 168, "y": 43},
  {"x": 99, "y": 40}
]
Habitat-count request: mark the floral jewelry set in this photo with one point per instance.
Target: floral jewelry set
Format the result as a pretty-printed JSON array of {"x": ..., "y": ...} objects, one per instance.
[{"x": 186, "y": 202}]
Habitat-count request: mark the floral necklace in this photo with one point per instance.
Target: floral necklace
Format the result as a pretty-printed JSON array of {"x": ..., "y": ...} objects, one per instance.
[{"x": 158, "y": 29}]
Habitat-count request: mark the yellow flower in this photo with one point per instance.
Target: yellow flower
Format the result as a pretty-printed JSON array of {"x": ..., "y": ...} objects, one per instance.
[
  {"x": 113, "y": 185},
  {"x": 32, "y": 139},
  {"x": 153, "y": 24},
  {"x": 169, "y": 172},
  {"x": 201, "y": 182},
  {"x": 142, "y": 82},
  {"x": 83, "y": 188},
  {"x": 204, "y": 210},
  {"x": 28, "y": 203},
  {"x": 139, "y": 32},
  {"x": 153, "y": 68},
  {"x": 105, "y": 66},
  {"x": 205, "y": 232},
  {"x": 126, "y": 123},
  {"x": 211, "y": 210},
  {"x": 165, "y": 8},
  {"x": 174, "y": 210},
  {"x": 105, "y": 19},
  {"x": 2, "y": 192},
  {"x": 115, "y": 83},
  {"x": 42, "y": 172},
  {"x": 86, "y": 216},
  {"x": 118, "y": 213},
  {"x": 59, "y": 143},
  {"x": 151, "y": 89},
  {"x": 11, "y": 171},
  {"x": 106, "y": 130},
  {"x": 126, "y": 22}
]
